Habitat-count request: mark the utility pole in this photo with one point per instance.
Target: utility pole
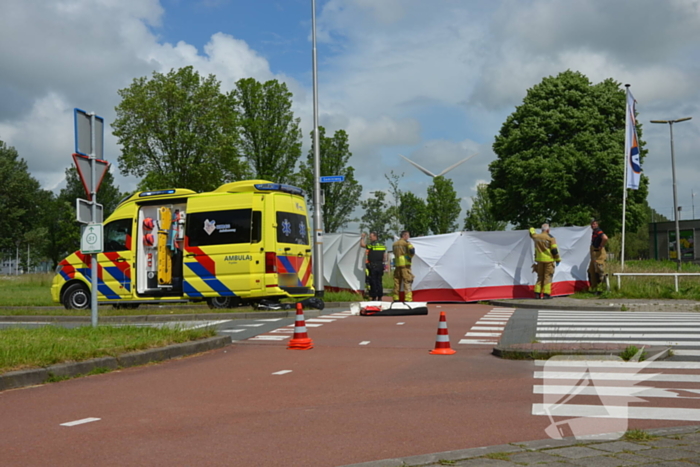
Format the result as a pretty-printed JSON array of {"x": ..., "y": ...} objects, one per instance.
[
  {"x": 318, "y": 220},
  {"x": 676, "y": 210}
]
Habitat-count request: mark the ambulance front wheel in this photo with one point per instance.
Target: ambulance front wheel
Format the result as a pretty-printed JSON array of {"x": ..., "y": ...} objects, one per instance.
[
  {"x": 223, "y": 302},
  {"x": 77, "y": 297}
]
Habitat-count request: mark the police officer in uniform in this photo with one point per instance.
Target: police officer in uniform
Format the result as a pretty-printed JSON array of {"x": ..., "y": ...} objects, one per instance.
[
  {"x": 546, "y": 255},
  {"x": 403, "y": 253},
  {"x": 376, "y": 259}
]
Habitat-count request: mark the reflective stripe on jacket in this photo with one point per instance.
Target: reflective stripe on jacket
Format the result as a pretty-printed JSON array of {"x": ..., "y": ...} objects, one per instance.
[
  {"x": 403, "y": 252},
  {"x": 546, "y": 250}
]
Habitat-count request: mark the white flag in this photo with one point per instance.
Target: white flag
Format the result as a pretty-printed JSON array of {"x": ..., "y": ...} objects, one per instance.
[{"x": 634, "y": 166}]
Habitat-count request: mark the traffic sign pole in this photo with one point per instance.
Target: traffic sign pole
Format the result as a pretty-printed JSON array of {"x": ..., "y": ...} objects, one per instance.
[
  {"x": 93, "y": 193},
  {"x": 89, "y": 130}
]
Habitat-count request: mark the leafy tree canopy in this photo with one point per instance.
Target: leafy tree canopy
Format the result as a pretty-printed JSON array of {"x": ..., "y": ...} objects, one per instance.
[
  {"x": 443, "y": 206},
  {"x": 560, "y": 157},
  {"x": 395, "y": 193},
  {"x": 177, "y": 130},
  {"x": 413, "y": 215},
  {"x": 480, "y": 217},
  {"x": 339, "y": 199},
  {"x": 21, "y": 199},
  {"x": 270, "y": 135},
  {"x": 377, "y": 216}
]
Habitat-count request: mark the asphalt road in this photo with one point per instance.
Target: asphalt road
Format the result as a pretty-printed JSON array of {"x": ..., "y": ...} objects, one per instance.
[{"x": 368, "y": 390}]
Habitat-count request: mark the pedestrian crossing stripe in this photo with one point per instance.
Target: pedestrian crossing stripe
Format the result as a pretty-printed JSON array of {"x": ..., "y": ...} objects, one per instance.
[
  {"x": 650, "y": 385},
  {"x": 492, "y": 322},
  {"x": 638, "y": 328},
  {"x": 629, "y": 413}
]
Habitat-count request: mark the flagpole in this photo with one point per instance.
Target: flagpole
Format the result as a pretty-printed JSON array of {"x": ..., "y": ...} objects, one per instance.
[{"x": 624, "y": 183}]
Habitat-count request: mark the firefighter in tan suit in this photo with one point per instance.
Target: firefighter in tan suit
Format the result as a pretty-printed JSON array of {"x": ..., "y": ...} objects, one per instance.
[
  {"x": 596, "y": 268},
  {"x": 546, "y": 255},
  {"x": 403, "y": 253}
]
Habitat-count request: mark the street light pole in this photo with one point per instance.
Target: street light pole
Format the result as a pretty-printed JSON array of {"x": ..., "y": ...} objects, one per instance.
[
  {"x": 318, "y": 213},
  {"x": 675, "y": 198}
]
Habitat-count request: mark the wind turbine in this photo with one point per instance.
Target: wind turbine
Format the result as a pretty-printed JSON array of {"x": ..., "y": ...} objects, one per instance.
[{"x": 429, "y": 173}]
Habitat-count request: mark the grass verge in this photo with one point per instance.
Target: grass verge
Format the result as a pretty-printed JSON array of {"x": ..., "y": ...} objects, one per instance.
[
  {"x": 48, "y": 345},
  {"x": 30, "y": 295}
]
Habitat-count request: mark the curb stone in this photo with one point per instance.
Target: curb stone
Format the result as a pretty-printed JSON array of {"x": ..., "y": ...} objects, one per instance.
[
  {"x": 33, "y": 377},
  {"x": 560, "y": 450}
]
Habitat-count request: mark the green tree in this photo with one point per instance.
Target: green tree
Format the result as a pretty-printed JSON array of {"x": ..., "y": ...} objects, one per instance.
[
  {"x": 62, "y": 229},
  {"x": 637, "y": 244},
  {"x": 178, "y": 131},
  {"x": 443, "y": 206},
  {"x": 560, "y": 157},
  {"x": 413, "y": 215},
  {"x": 480, "y": 217},
  {"x": 339, "y": 199},
  {"x": 20, "y": 199},
  {"x": 270, "y": 135},
  {"x": 395, "y": 193},
  {"x": 377, "y": 216}
]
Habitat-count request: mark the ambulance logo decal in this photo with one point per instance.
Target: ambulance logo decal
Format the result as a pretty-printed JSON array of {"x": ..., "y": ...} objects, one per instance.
[
  {"x": 209, "y": 226},
  {"x": 302, "y": 229},
  {"x": 286, "y": 227}
]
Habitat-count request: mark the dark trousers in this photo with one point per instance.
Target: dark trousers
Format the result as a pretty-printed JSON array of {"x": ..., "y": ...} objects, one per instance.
[{"x": 376, "y": 289}]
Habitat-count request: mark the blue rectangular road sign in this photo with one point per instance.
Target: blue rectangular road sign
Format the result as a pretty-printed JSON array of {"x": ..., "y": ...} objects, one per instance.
[{"x": 333, "y": 178}]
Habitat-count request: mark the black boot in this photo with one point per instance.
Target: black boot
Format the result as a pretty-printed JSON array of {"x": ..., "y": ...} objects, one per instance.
[{"x": 547, "y": 296}]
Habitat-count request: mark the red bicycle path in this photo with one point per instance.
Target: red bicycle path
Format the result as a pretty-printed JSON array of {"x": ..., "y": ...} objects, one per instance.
[{"x": 341, "y": 403}]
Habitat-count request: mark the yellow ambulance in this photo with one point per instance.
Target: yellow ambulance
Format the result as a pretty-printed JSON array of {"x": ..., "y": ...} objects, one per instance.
[{"x": 241, "y": 243}]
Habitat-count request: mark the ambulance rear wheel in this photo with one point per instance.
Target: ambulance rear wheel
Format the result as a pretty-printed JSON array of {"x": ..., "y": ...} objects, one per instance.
[
  {"x": 223, "y": 302},
  {"x": 76, "y": 297}
]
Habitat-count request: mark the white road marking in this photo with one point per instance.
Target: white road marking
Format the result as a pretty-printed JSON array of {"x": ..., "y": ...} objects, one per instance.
[
  {"x": 619, "y": 328},
  {"x": 313, "y": 325},
  {"x": 364, "y": 342},
  {"x": 687, "y": 353},
  {"x": 615, "y": 322},
  {"x": 399, "y": 324},
  {"x": 268, "y": 338},
  {"x": 637, "y": 391},
  {"x": 483, "y": 334},
  {"x": 319, "y": 320},
  {"x": 633, "y": 413},
  {"x": 488, "y": 328},
  {"x": 616, "y": 335},
  {"x": 616, "y": 364},
  {"x": 492, "y": 322},
  {"x": 252, "y": 325},
  {"x": 80, "y": 422},
  {"x": 269, "y": 320},
  {"x": 283, "y": 372},
  {"x": 477, "y": 341},
  {"x": 283, "y": 330},
  {"x": 611, "y": 341},
  {"x": 233, "y": 330},
  {"x": 685, "y": 378}
]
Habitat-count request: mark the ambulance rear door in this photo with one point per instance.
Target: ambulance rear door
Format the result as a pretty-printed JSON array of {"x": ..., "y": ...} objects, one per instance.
[
  {"x": 293, "y": 247},
  {"x": 218, "y": 256}
]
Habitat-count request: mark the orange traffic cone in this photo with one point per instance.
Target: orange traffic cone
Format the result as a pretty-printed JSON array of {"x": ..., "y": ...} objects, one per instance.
[
  {"x": 300, "y": 340},
  {"x": 442, "y": 343}
]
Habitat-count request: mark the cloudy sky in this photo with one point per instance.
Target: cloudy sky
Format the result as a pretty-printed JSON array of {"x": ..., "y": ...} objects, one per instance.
[{"x": 430, "y": 79}]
